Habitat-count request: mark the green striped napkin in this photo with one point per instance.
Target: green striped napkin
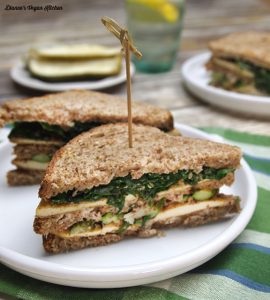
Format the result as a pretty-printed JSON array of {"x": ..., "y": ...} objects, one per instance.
[{"x": 241, "y": 271}]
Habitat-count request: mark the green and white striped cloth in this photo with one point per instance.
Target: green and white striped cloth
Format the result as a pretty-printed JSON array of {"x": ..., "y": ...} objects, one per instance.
[{"x": 241, "y": 271}]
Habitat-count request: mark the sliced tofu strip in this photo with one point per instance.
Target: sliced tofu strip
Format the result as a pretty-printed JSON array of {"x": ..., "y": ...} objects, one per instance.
[
  {"x": 46, "y": 209},
  {"x": 100, "y": 231},
  {"x": 232, "y": 67},
  {"x": 174, "y": 190},
  {"x": 30, "y": 164},
  {"x": 109, "y": 228},
  {"x": 181, "y": 210},
  {"x": 35, "y": 142}
]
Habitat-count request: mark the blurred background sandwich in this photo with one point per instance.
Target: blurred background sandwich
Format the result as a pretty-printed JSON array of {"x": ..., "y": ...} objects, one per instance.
[{"x": 240, "y": 62}]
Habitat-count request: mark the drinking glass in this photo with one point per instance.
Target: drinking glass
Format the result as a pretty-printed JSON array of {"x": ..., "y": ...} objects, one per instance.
[{"x": 155, "y": 27}]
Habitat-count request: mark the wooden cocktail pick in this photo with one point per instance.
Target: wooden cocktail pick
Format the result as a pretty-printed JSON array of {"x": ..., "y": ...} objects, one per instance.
[{"x": 127, "y": 46}]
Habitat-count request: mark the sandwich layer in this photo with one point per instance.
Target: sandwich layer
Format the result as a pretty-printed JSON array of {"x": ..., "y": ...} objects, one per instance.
[
  {"x": 65, "y": 108},
  {"x": 55, "y": 243},
  {"x": 103, "y": 155}
]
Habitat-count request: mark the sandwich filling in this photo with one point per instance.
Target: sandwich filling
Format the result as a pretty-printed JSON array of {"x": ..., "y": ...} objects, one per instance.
[
  {"x": 239, "y": 75},
  {"x": 128, "y": 205},
  {"x": 47, "y": 132},
  {"x": 36, "y": 142}
]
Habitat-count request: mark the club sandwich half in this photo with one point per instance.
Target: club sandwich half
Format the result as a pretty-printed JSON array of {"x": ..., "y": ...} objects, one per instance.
[
  {"x": 43, "y": 124},
  {"x": 97, "y": 191}
]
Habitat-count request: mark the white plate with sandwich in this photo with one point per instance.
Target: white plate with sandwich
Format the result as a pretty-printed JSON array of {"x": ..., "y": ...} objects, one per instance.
[
  {"x": 132, "y": 261},
  {"x": 235, "y": 75},
  {"x": 64, "y": 67}
]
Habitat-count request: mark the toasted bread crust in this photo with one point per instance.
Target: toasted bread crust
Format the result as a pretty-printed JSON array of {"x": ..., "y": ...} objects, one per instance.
[
  {"x": 24, "y": 177},
  {"x": 103, "y": 154},
  {"x": 250, "y": 46},
  {"x": 82, "y": 105},
  {"x": 2, "y": 117},
  {"x": 55, "y": 244}
]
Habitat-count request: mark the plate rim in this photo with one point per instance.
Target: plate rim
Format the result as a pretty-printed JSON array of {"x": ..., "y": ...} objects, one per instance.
[
  {"x": 128, "y": 274},
  {"x": 37, "y": 84},
  {"x": 203, "y": 57}
]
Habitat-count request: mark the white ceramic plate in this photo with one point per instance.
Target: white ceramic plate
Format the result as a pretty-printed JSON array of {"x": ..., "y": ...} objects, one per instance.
[
  {"x": 130, "y": 262},
  {"x": 20, "y": 75},
  {"x": 196, "y": 78}
]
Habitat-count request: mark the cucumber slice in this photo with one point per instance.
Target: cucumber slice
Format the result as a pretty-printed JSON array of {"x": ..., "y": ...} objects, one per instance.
[
  {"x": 75, "y": 51},
  {"x": 42, "y": 158},
  {"x": 153, "y": 213},
  {"x": 60, "y": 70},
  {"x": 109, "y": 218},
  {"x": 139, "y": 222},
  {"x": 203, "y": 195},
  {"x": 81, "y": 227}
]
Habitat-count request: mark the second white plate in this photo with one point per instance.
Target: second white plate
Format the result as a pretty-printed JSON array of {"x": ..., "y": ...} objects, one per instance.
[
  {"x": 130, "y": 262},
  {"x": 20, "y": 75},
  {"x": 196, "y": 78}
]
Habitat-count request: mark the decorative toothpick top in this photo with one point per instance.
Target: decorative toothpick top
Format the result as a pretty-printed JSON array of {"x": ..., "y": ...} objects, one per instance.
[
  {"x": 121, "y": 33},
  {"x": 127, "y": 46}
]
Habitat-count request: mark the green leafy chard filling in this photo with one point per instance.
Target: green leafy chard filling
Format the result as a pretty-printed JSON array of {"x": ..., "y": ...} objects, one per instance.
[
  {"x": 222, "y": 80},
  {"x": 261, "y": 76},
  {"x": 44, "y": 131},
  {"x": 145, "y": 187}
]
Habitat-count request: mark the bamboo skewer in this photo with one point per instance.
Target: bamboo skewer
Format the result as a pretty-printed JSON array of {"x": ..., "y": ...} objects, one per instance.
[
  {"x": 127, "y": 46},
  {"x": 127, "y": 54}
]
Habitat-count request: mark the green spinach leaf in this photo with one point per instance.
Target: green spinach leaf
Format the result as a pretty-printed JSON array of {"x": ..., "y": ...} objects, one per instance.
[{"x": 145, "y": 187}]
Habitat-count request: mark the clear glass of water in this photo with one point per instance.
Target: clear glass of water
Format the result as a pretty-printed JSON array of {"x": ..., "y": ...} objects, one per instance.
[{"x": 155, "y": 27}]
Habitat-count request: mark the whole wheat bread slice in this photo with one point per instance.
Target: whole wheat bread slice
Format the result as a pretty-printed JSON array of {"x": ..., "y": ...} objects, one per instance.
[
  {"x": 99, "y": 155},
  {"x": 250, "y": 46},
  {"x": 84, "y": 106},
  {"x": 24, "y": 177}
]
